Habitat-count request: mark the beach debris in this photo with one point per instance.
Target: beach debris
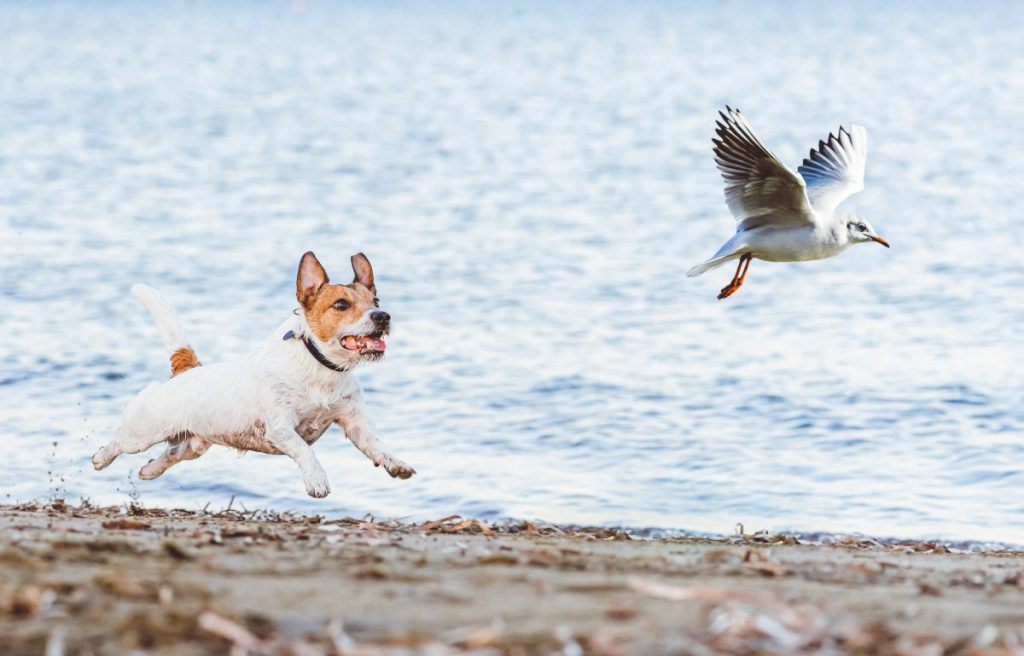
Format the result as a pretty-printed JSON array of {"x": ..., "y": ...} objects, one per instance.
[
  {"x": 456, "y": 524},
  {"x": 242, "y": 640},
  {"x": 498, "y": 559},
  {"x": 437, "y": 523},
  {"x": 335, "y": 641},
  {"x": 721, "y": 556},
  {"x": 165, "y": 594},
  {"x": 475, "y": 636},
  {"x": 125, "y": 524},
  {"x": 176, "y": 551},
  {"x": 606, "y": 641},
  {"x": 784, "y": 628},
  {"x": 121, "y": 586},
  {"x": 672, "y": 592},
  {"x": 758, "y": 561},
  {"x": 621, "y": 613},
  {"x": 570, "y": 646},
  {"x": 29, "y": 600},
  {"x": 55, "y": 642},
  {"x": 762, "y": 537}
]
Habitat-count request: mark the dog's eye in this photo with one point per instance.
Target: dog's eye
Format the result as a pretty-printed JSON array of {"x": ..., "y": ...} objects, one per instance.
[
  {"x": 341, "y": 305},
  {"x": 376, "y": 302}
]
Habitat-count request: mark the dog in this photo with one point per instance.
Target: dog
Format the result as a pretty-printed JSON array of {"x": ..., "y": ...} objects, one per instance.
[{"x": 281, "y": 397}]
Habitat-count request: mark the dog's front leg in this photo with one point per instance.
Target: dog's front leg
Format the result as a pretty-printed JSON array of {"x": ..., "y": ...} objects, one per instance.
[
  {"x": 283, "y": 436},
  {"x": 354, "y": 420}
]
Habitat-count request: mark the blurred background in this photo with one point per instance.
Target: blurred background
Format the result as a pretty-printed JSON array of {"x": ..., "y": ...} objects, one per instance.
[{"x": 531, "y": 181}]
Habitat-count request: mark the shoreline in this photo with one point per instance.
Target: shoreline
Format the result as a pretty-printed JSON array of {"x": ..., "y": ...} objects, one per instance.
[
  {"x": 640, "y": 532},
  {"x": 109, "y": 580}
]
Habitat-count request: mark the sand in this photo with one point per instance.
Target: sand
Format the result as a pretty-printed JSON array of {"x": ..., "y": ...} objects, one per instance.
[{"x": 117, "y": 581}]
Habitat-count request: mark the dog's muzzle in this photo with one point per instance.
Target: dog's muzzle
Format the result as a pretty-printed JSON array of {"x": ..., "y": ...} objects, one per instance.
[
  {"x": 372, "y": 344},
  {"x": 381, "y": 319}
]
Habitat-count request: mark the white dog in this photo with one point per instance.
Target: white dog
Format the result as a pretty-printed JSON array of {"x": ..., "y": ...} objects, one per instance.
[{"x": 281, "y": 397}]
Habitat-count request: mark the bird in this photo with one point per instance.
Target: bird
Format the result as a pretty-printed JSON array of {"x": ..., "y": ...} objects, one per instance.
[{"x": 782, "y": 216}]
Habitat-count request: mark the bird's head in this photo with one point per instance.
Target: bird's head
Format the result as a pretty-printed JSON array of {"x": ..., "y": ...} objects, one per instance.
[{"x": 860, "y": 230}]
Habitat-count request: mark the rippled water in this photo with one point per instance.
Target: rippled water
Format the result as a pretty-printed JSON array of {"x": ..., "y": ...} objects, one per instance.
[{"x": 531, "y": 182}]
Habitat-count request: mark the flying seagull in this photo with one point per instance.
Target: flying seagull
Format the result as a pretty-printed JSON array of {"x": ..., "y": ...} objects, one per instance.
[{"x": 782, "y": 216}]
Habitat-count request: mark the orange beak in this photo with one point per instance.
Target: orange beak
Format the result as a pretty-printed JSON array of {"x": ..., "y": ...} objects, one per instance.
[{"x": 882, "y": 242}]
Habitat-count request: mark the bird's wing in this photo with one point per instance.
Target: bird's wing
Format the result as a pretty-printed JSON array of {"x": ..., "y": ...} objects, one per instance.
[
  {"x": 835, "y": 171},
  {"x": 759, "y": 189}
]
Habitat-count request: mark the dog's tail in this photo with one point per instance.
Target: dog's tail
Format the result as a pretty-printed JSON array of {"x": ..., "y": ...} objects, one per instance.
[{"x": 183, "y": 357}]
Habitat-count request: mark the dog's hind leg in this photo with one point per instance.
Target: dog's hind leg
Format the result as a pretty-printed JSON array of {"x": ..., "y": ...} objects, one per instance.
[
  {"x": 141, "y": 428},
  {"x": 183, "y": 358},
  {"x": 188, "y": 449},
  {"x": 124, "y": 444}
]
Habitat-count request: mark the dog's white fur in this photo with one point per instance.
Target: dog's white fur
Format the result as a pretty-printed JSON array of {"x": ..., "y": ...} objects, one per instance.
[{"x": 278, "y": 399}]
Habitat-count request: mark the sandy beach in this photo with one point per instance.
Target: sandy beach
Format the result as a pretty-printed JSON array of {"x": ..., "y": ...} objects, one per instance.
[{"x": 116, "y": 581}]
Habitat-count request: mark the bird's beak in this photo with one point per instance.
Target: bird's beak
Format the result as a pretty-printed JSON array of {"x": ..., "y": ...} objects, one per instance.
[{"x": 881, "y": 241}]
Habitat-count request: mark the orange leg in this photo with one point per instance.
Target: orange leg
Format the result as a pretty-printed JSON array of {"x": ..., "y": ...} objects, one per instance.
[
  {"x": 738, "y": 278},
  {"x": 743, "y": 276}
]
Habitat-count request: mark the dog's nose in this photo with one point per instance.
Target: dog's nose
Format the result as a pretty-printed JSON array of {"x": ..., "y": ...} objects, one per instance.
[{"x": 380, "y": 317}]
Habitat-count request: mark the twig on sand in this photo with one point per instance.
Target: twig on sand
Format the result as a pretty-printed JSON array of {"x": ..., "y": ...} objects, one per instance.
[
  {"x": 429, "y": 526},
  {"x": 681, "y": 593},
  {"x": 55, "y": 642},
  {"x": 242, "y": 640}
]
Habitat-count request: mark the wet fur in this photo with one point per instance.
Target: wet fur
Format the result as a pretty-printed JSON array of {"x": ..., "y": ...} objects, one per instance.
[{"x": 276, "y": 400}]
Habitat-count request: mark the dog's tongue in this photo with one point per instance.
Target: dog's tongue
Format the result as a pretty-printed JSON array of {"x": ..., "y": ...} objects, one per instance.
[{"x": 354, "y": 343}]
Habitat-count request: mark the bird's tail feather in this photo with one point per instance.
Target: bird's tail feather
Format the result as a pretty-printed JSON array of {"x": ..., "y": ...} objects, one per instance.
[{"x": 713, "y": 263}]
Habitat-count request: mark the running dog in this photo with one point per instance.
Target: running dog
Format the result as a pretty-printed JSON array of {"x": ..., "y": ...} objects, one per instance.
[{"x": 281, "y": 397}]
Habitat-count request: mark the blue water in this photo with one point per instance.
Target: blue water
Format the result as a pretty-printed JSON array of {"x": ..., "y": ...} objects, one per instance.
[{"x": 531, "y": 182}]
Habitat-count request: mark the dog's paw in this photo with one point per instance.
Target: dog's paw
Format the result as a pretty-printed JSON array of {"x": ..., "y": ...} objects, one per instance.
[
  {"x": 149, "y": 471},
  {"x": 396, "y": 467},
  {"x": 316, "y": 483},
  {"x": 103, "y": 458}
]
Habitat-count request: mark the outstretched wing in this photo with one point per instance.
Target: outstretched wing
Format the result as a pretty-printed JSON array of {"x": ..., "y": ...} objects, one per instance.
[
  {"x": 835, "y": 171},
  {"x": 759, "y": 189}
]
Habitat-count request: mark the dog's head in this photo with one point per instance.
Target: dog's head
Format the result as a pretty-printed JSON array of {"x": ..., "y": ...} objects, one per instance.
[{"x": 346, "y": 319}]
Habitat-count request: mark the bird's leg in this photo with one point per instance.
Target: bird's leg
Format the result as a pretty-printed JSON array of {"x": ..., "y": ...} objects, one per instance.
[
  {"x": 738, "y": 278},
  {"x": 743, "y": 276}
]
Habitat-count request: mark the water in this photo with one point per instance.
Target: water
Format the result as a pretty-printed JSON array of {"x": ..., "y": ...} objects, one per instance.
[{"x": 531, "y": 182}]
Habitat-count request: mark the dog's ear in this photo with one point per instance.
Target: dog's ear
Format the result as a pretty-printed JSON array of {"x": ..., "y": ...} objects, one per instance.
[
  {"x": 364, "y": 272},
  {"x": 310, "y": 279}
]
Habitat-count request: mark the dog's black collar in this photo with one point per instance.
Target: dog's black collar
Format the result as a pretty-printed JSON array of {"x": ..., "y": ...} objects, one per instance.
[
  {"x": 320, "y": 357},
  {"x": 315, "y": 352}
]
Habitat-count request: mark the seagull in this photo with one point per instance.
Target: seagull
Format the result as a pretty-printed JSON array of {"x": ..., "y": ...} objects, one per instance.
[{"x": 782, "y": 216}]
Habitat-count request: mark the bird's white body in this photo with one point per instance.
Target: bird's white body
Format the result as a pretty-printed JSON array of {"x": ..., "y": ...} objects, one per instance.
[
  {"x": 782, "y": 216},
  {"x": 799, "y": 244}
]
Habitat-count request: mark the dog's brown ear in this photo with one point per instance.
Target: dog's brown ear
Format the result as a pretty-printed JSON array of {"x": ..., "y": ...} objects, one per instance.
[
  {"x": 364, "y": 272},
  {"x": 310, "y": 279}
]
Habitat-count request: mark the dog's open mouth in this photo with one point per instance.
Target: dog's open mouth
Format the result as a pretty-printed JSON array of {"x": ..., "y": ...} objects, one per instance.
[{"x": 365, "y": 344}]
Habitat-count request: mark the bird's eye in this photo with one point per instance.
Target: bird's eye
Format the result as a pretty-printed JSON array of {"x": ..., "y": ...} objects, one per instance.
[
  {"x": 862, "y": 227},
  {"x": 341, "y": 305}
]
